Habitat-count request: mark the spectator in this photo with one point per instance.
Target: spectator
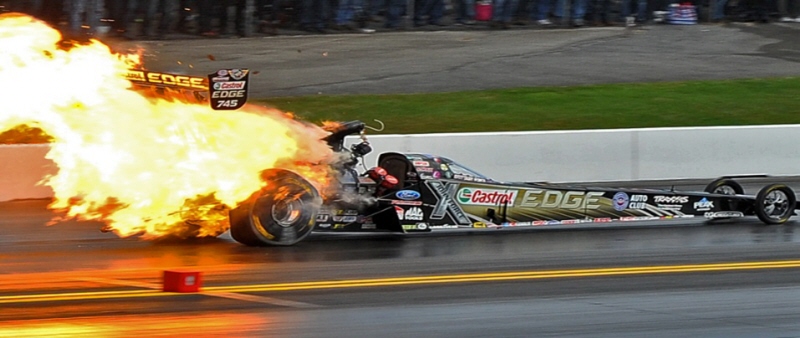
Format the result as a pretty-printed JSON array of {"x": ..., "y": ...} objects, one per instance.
[
  {"x": 30, "y": 7},
  {"x": 243, "y": 16},
  {"x": 465, "y": 14},
  {"x": 543, "y": 12},
  {"x": 207, "y": 12},
  {"x": 789, "y": 13},
  {"x": 395, "y": 9},
  {"x": 376, "y": 8},
  {"x": 83, "y": 12},
  {"x": 601, "y": 12},
  {"x": 522, "y": 13},
  {"x": 314, "y": 15},
  {"x": 346, "y": 12},
  {"x": 115, "y": 15},
  {"x": 718, "y": 13},
  {"x": 502, "y": 12},
  {"x": 641, "y": 10},
  {"x": 428, "y": 11},
  {"x": 578, "y": 11},
  {"x": 155, "y": 26}
]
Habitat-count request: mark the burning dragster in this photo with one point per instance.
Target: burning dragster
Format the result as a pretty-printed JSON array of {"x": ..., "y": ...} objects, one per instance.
[{"x": 424, "y": 193}]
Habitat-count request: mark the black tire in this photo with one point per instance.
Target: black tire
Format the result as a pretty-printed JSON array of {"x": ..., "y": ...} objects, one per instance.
[
  {"x": 724, "y": 186},
  {"x": 775, "y": 204},
  {"x": 283, "y": 213}
]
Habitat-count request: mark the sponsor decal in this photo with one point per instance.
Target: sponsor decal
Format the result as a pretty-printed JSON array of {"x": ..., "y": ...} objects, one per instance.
[
  {"x": 220, "y": 78},
  {"x": 724, "y": 214},
  {"x": 666, "y": 217},
  {"x": 444, "y": 167},
  {"x": 628, "y": 218},
  {"x": 345, "y": 219},
  {"x": 671, "y": 199},
  {"x": 703, "y": 205},
  {"x": 561, "y": 199},
  {"x": 553, "y": 223},
  {"x": 443, "y": 226},
  {"x": 400, "y": 212},
  {"x": 351, "y": 212},
  {"x": 538, "y": 223},
  {"x": 407, "y": 195},
  {"x": 620, "y": 201},
  {"x": 602, "y": 220},
  {"x": 437, "y": 174},
  {"x": 515, "y": 224},
  {"x": 368, "y": 226},
  {"x": 230, "y": 85},
  {"x": 672, "y": 207},
  {"x": 339, "y": 226},
  {"x": 164, "y": 79},
  {"x": 425, "y": 169},
  {"x": 222, "y": 72},
  {"x": 228, "y": 95},
  {"x": 570, "y": 221},
  {"x": 478, "y": 196},
  {"x": 479, "y": 225},
  {"x": 414, "y": 214},
  {"x": 446, "y": 204},
  {"x": 322, "y": 218},
  {"x": 237, "y": 74},
  {"x": 638, "y": 202},
  {"x": 396, "y": 202},
  {"x": 421, "y": 164},
  {"x": 324, "y": 225},
  {"x": 409, "y": 227},
  {"x": 422, "y": 226}
]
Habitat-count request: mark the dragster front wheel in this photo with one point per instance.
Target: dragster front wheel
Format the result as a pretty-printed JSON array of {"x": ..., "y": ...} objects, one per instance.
[
  {"x": 282, "y": 213},
  {"x": 775, "y": 204}
]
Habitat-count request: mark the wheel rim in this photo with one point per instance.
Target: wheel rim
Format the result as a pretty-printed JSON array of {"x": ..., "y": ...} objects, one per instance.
[
  {"x": 724, "y": 190},
  {"x": 776, "y": 204},
  {"x": 285, "y": 213}
]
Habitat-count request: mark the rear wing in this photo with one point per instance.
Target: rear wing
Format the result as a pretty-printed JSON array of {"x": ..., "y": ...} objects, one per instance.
[{"x": 225, "y": 89}]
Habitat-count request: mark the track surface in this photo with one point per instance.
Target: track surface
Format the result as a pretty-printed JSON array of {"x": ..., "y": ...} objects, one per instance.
[
  {"x": 72, "y": 280},
  {"x": 658, "y": 279}
]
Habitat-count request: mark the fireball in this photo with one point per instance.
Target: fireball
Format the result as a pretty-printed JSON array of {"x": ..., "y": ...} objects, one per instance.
[{"x": 141, "y": 164}]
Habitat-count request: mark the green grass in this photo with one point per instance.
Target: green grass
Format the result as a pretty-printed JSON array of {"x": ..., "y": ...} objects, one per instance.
[{"x": 673, "y": 104}]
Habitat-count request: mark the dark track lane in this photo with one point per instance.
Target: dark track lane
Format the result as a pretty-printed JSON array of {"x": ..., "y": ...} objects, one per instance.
[{"x": 76, "y": 257}]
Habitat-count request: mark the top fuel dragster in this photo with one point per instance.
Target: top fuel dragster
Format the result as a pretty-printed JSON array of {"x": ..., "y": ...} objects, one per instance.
[{"x": 410, "y": 192}]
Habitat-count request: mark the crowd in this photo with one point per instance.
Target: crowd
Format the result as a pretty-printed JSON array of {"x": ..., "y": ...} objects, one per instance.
[{"x": 155, "y": 18}]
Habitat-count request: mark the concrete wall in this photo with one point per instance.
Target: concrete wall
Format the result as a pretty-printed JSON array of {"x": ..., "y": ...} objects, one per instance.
[
  {"x": 557, "y": 156},
  {"x": 612, "y": 155}
]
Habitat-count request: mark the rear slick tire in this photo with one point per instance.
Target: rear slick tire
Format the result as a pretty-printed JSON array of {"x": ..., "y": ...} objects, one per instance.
[
  {"x": 775, "y": 204},
  {"x": 283, "y": 213},
  {"x": 724, "y": 186}
]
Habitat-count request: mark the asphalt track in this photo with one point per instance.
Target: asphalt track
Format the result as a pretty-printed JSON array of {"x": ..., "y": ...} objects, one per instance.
[
  {"x": 451, "y": 60},
  {"x": 688, "y": 279}
]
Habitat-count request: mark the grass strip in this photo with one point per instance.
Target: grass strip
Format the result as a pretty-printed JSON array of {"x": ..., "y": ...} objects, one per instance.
[{"x": 634, "y": 105}]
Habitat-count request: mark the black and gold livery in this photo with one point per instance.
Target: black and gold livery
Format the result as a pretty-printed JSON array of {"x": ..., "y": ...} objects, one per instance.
[{"x": 429, "y": 193}]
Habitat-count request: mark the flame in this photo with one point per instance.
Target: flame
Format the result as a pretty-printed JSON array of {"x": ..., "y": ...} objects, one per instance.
[{"x": 142, "y": 164}]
